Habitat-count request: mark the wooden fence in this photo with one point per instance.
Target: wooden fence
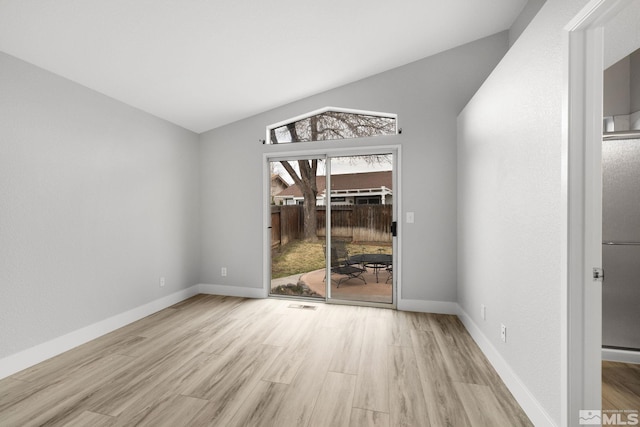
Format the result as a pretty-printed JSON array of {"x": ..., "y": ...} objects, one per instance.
[
  {"x": 356, "y": 223},
  {"x": 287, "y": 224}
]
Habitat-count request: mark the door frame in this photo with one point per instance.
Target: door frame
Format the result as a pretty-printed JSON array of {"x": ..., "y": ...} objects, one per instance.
[
  {"x": 395, "y": 149},
  {"x": 581, "y": 316}
]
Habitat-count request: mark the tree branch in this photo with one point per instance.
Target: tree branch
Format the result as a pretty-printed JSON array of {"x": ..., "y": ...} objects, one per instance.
[{"x": 292, "y": 173}]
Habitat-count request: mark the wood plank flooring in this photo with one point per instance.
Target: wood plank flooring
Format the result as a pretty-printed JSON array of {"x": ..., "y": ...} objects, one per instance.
[
  {"x": 223, "y": 361},
  {"x": 620, "y": 386}
]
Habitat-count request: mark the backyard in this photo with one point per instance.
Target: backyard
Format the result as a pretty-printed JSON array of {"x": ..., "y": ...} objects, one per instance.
[
  {"x": 298, "y": 269},
  {"x": 299, "y": 257}
]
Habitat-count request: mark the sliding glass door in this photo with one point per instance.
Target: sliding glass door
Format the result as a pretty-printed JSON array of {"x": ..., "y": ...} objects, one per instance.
[
  {"x": 360, "y": 223},
  {"x": 297, "y": 252},
  {"x": 331, "y": 228}
]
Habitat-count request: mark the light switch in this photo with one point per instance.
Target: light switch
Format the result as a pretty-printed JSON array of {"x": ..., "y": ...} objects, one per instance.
[{"x": 410, "y": 218}]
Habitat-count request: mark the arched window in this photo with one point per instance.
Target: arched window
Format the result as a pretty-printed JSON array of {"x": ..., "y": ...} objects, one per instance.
[{"x": 331, "y": 123}]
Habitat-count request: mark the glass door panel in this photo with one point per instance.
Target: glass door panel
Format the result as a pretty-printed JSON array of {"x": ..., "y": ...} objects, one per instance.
[
  {"x": 361, "y": 216},
  {"x": 297, "y": 228}
]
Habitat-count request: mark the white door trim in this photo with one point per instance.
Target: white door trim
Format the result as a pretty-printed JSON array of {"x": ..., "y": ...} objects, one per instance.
[
  {"x": 396, "y": 149},
  {"x": 582, "y": 209}
]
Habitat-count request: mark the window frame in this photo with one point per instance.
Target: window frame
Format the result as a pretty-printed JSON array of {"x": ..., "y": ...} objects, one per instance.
[{"x": 324, "y": 110}]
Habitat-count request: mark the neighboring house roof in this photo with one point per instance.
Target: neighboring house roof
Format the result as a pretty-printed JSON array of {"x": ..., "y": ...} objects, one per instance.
[
  {"x": 279, "y": 180},
  {"x": 348, "y": 181}
]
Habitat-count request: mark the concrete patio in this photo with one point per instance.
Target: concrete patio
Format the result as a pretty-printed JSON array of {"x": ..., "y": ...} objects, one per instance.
[{"x": 353, "y": 289}]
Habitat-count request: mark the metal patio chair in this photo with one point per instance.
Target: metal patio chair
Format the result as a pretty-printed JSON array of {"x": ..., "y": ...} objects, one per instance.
[{"x": 341, "y": 266}]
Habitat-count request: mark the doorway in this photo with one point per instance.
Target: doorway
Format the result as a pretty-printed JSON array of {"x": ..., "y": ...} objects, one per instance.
[
  {"x": 621, "y": 230},
  {"x": 582, "y": 343},
  {"x": 331, "y": 227}
]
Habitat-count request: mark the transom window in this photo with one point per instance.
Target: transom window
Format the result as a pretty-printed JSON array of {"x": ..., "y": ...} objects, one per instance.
[{"x": 332, "y": 123}]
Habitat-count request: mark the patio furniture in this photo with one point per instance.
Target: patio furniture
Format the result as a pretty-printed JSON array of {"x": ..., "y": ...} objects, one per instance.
[
  {"x": 375, "y": 261},
  {"x": 342, "y": 252},
  {"x": 342, "y": 265}
]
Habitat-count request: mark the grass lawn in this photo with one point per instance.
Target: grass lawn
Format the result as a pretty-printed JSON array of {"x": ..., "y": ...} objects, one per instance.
[{"x": 300, "y": 257}]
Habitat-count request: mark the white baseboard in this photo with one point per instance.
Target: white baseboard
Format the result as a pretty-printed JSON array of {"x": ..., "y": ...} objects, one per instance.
[
  {"x": 31, "y": 356},
  {"x": 527, "y": 401},
  {"x": 422, "y": 306},
  {"x": 624, "y": 356},
  {"x": 232, "y": 291},
  {"x": 41, "y": 352}
]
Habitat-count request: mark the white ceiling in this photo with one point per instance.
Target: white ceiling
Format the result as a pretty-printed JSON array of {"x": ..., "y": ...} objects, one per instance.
[{"x": 204, "y": 63}]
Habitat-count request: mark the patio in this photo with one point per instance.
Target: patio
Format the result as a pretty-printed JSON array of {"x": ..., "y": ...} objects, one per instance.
[{"x": 352, "y": 289}]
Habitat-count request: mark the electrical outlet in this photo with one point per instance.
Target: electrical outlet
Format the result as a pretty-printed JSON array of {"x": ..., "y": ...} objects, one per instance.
[
  {"x": 503, "y": 333},
  {"x": 483, "y": 311},
  {"x": 223, "y": 271},
  {"x": 162, "y": 282},
  {"x": 410, "y": 218}
]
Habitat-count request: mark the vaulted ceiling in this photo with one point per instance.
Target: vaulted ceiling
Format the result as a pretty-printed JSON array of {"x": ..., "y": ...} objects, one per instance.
[{"x": 205, "y": 63}]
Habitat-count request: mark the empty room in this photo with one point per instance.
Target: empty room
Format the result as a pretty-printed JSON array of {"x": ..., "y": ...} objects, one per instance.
[{"x": 355, "y": 213}]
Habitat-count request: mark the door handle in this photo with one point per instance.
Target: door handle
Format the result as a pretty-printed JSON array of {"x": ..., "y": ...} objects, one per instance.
[{"x": 394, "y": 228}]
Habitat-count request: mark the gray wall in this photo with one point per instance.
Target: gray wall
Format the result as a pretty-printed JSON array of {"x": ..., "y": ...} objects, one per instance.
[
  {"x": 97, "y": 201},
  {"x": 510, "y": 204},
  {"x": 529, "y": 11},
  {"x": 622, "y": 86},
  {"x": 617, "y": 90},
  {"x": 621, "y": 35},
  {"x": 427, "y": 96},
  {"x": 634, "y": 82}
]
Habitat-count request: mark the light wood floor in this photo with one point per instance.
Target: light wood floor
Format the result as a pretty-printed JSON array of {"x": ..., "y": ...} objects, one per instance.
[
  {"x": 222, "y": 361},
  {"x": 620, "y": 386}
]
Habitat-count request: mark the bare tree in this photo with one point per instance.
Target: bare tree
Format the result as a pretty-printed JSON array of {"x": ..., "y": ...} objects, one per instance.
[{"x": 325, "y": 126}]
